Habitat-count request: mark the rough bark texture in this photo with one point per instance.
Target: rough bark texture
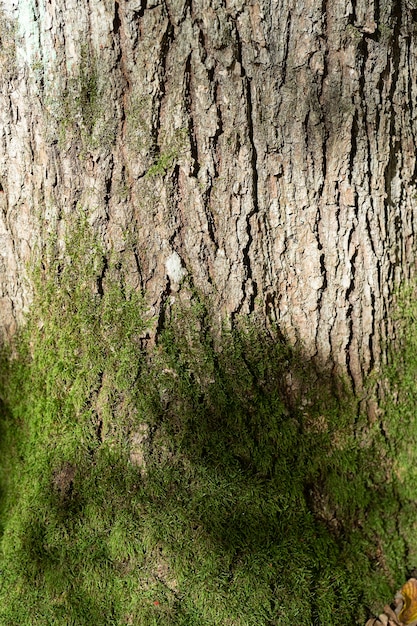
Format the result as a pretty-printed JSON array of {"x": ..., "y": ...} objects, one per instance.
[{"x": 264, "y": 148}]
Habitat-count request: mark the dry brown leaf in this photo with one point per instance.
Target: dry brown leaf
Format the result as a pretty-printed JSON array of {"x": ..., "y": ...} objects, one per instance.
[{"x": 408, "y": 614}]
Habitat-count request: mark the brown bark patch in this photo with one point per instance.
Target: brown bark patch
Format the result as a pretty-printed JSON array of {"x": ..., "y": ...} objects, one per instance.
[{"x": 63, "y": 480}]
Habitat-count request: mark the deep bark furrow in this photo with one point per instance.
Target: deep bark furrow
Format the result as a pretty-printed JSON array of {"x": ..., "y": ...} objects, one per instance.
[
  {"x": 188, "y": 99},
  {"x": 248, "y": 281},
  {"x": 353, "y": 376},
  {"x": 371, "y": 340},
  {"x": 287, "y": 43}
]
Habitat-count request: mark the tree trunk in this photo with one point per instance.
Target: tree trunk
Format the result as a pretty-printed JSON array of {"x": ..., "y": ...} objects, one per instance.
[{"x": 264, "y": 149}]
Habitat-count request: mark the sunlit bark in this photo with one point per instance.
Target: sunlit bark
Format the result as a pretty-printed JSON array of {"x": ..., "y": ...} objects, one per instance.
[{"x": 263, "y": 149}]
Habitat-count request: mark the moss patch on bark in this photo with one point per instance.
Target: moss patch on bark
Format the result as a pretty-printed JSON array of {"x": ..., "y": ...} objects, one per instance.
[{"x": 219, "y": 478}]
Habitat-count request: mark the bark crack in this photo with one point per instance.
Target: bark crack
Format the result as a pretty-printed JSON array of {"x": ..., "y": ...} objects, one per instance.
[
  {"x": 323, "y": 272},
  {"x": 411, "y": 71},
  {"x": 166, "y": 41},
  {"x": 188, "y": 7},
  {"x": 188, "y": 99},
  {"x": 247, "y": 89},
  {"x": 116, "y": 19},
  {"x": 353, "y": 145},
  {"x": 372, "y": 334},
  {"x": 363, "y": 99},
  {"x": 162, "y": 309},
  {"x": 286, "y": 49},
  {"x": 139, "y": 13},
  {"x": 100, "y": 279},
  {"x": 219, "y": 130},
  {"x": 349, "y": 315},
  {"x": 119, "y": 32},
  {"x": 395, "y": 65}
]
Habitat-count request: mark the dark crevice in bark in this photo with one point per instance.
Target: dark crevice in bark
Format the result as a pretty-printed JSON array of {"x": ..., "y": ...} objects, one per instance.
[
  {"x": 320, "y": 86},
  {"x": 269, "y": 269},
  {"x": 116, "y": 19},
  {"x": 202, "y": 44},
  {"x": 379, "y": 88},
  {"x": 348, "y": 344},
  {"x": 191, "y": 127},
  {"x": 139, "y": 12},
  {"x": 363, "y": 52},
  {"x": 372, "y": 335},
  {"x": 352, "y": 16},
  {"x": 139, "y": 269},
  {"x": 323, "y": 270},
  {"x": 353, "y": 145},
  {"x": 391, "y": 273},
  {"x": 413, "y": 239},
  {"x": 286, "y": 49},
  {"x": 176, "y": 222},
  {"x": 162, "y": 309},
  {"x": 410, "y": 103},
  {"x": 219, "y": 130},
  {"x": 211, "y": 228},
  {"x": 119, "y": 32},
  {"x": 188, "y": 8},
  {"x": 377, "y": 12},
  {"x": 390, "y": 171},
  {"x": 214, "y": 141},
  {"x": 108, "y": 185},
  {"x": 247, "y": 88},
  {"x": 369, "y": 228},
  {"x": 398, "y": 251},
  {"x": 351, "y": 287},
  {"x": 100, "y": 279},
  {"x": 324, "y": 14},
  {"x": 395, "y": 69},
  {"x": 137, "y": 16},
  {"x": 323, "y": 273},
  {"x": 99, "y": 430},
  {"x": 363, "y": 48},
  {"x": 383, "y": 432},
  {"x": 379, "y": 276},
  {"x": 324, "y": 159},
  {"x": 166, "y": 42},
  {"x": 349, "y": 313}
]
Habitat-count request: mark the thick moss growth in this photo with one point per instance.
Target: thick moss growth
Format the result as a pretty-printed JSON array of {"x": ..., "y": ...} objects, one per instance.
[{"x": 219, "y": 479}]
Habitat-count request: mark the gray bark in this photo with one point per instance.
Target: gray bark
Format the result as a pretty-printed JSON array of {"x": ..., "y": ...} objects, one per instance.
[{"x": 263, "y": 148}]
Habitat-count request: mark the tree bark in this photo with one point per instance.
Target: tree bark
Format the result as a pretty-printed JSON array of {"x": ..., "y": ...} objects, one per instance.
[{"x": 265, "y": 149}]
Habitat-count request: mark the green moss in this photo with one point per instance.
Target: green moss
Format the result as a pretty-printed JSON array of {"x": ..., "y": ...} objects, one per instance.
[
  {"x": 163, "y": 163},
  {"x": 81, "y": 110},
  {"x": 221, "y": 478},
  {"x": 386, "y": 31},
  {"x": 138, "y": 123},
  {"x": 175, "y": 146},
  {"x": 8, "y": 34}
]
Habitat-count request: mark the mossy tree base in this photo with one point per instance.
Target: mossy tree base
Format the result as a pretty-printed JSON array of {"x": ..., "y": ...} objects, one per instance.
[{"x": 220, "y": 478}]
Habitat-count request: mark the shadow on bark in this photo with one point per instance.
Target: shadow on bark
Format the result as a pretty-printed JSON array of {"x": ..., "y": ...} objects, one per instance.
[
  {"x": 258, "y": 497},
  {"x": 291, "y": 470}
]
